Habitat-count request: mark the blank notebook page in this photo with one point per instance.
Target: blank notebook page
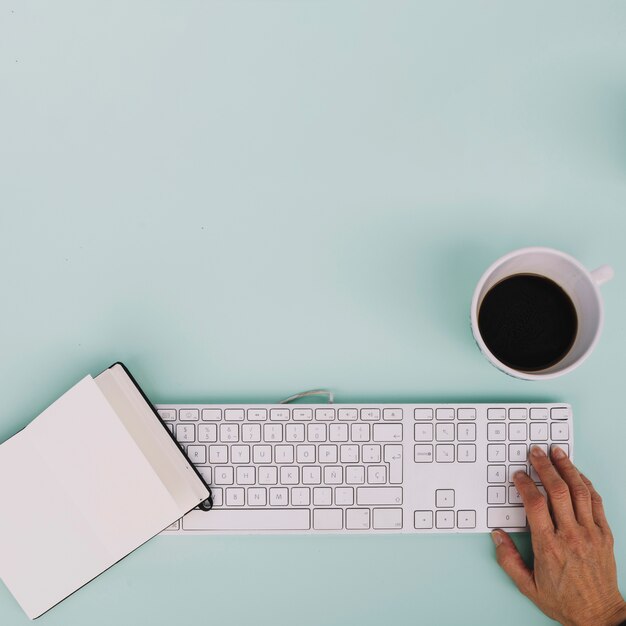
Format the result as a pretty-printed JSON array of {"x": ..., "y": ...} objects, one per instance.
[{"x": 77, "y": 495}]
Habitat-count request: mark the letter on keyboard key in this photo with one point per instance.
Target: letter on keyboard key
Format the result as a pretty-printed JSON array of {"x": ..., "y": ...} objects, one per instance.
[
  {"x": 327, "y": 519},
  {"x": 378, "y": 495},
  {"x": 387, "y": 519},
  {"x": 505, "y": 517},
  {"x": 259, "y": 519}
]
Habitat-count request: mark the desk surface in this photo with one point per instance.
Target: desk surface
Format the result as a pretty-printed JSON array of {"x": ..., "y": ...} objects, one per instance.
[{"x": 243, "y": 200}]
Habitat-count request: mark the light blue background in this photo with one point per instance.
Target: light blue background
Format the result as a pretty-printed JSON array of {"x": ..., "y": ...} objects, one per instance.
[{"x": 242, "y": 200}]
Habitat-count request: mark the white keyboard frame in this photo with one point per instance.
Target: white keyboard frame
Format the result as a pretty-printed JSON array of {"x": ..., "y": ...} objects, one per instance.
[{"x": 419, "y": 480}]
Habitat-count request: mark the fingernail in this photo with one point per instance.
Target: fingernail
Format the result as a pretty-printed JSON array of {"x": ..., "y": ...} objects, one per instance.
[
  {"x": 497, "y": 537},
  {"x": 519, "y": 474},
  {"x": 537, "y": 451},
  {"x": 558, "y": 452}
]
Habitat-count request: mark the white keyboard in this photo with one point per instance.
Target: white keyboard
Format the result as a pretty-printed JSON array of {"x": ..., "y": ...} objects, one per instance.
[{"x": 335, "y": 468}]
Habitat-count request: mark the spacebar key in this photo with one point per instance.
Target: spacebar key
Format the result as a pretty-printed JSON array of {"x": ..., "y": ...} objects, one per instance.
[{"x": 248, "y": 519}]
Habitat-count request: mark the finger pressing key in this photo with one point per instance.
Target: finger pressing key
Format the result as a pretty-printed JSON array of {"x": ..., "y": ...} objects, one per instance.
[
  {"x": 555, "y": 486},
  {"x": 579, "y": 493},
  {"x": 535, "y": 505}
]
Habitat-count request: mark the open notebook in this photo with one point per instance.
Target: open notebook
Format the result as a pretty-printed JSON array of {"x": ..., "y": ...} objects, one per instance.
[{"x": 89, "y": 480}]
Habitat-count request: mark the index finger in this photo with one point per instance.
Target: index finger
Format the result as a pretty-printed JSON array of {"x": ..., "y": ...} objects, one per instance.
[{"x": 537, "y": 512}]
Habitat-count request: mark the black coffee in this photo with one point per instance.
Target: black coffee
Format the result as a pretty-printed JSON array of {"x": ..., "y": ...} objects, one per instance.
[{"x": 528, "y": 322}]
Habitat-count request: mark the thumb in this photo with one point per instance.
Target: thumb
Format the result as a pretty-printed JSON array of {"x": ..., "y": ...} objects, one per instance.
[{"x": 510, "y": 560}]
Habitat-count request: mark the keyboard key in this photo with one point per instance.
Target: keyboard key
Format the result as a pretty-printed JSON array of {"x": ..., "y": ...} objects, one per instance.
[
  {"x": 444, "y": 432},
  {"x": 539, "y": 431},
  {"x": 322, "y": 496},
  {"x": 167, "y": 415},
  {"x": 218, "y": 454},
  {"x": 283, "y": 454},
  {"x": 444, "y": 498},
  {"x": 378, "y": 495},
  {"x": 233, "y": 415},
  {"x": 349, "y": 454},
  {"x": 444, "y": 519},
  {"x": 338, "y": 432},
  {"x": 392, "y": 414},
  {"x": 559, "y": 413},
  {"x": 211, "y": 415},
  {"x": 316, "y": 432},
  {"x": 423, "y": 453},
  {"x": 559, "y": 431},
  {"x": 333, "y": 474},
  {"x": 251, "y": 432},
  {"x": 268, "y": 519},
  {"x": 257, "y": 496},
  {"x": 516, "y": 468},
  {"x": 360, "y": 432},
  {"x": 563, "y": 446},
  {"x": 393, "y": 456},
  {"x": 327, "y": 519},
  {"x": 517, "y": 452},
  {"x": 387, "y": 432},
  {"x": 235, "y": 496},
  {"x": 279, "y": 415},
  {"x": 466, "y": 453},
  {"x": 207, "y": 432},
  {"x": 229, "y": 433},
  {"x": 185, "y": 432},
  {"x": 189, "y": 415},
  {"x": 327, "y": 454},
  {"x": 312, "y": 475},
  {"x": 423, "y": 519},
  {"x": 268, "y": 475},
  {"x": 467, "y": 432},
  {"x": 294, "y": 432},
  {"x": 300, "y": 496},
  {"x": 257, "y": 415},
  {"x": 289, "y": 475},
  {"x": 496, "y": 495},
  {"x": 518, "y": 414},
  {"x": 539, "y": 414},
  {"x": 349, "y": 415},
  {"x": 376, "y": 474},
  {"x": 496, "y": 473},
  {"x": 445, "y": 453},
  {"x": 262, "y": 454},
  {"x": 445, "y": 414},
  {"x": 302, "y": 415},
  {"x": 387, "y": 519},
  {"x": 344, "y": 496},
  {"x": 506, "y": 517},
  {"x": 423, "y": 414},
  {"x": 518, "y": 431},
  {"x": 466, "y": 414},
  {"x": 370, "y": 454},
  {"x": 466, "y": 519},
  {"x": 305, "y": 454},
  {"x": 357, "y": 519},
  {"x": 423, "y": 432},
  {"x": 272, "y": 432},
  {"x": 496, "y": 414},
  {"x": 496, "y": 432},
  {"x": 279, "y": 496},
  {"x": 325, "y": 415},
  {"x": 218, "y": 496},
  {"x": 197, "y": 454},
  {"x": 370, "y": 415},
  {"x": 245, "y": 475},
  {"x": 206, "y": 474},
  {"x": 496, "y": 452},
  {"x": 223, "y": 475},
  {"x": 355, "y": 474},
  {"x": 514, "y": 496}
]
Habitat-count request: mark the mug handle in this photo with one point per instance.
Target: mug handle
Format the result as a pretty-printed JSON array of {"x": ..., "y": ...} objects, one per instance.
[{"x": 602, "y": 274}]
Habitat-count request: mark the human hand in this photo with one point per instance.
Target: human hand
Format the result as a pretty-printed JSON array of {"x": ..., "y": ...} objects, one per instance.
[{"x": 574, "y": 580}]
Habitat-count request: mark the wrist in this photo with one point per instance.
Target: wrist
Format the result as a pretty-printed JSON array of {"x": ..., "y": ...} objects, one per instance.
[{"x": 618, "y": 615}]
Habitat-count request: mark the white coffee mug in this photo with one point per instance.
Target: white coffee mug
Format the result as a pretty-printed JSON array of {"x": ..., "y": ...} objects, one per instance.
[{"x": 581, "y": 285}]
